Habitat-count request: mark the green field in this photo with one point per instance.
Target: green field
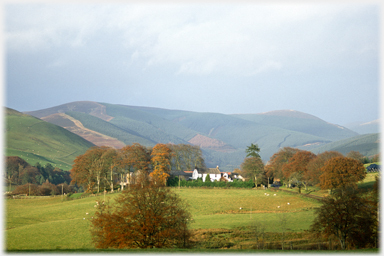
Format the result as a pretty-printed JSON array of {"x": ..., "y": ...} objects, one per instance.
[{"x": 49, "y": 223}]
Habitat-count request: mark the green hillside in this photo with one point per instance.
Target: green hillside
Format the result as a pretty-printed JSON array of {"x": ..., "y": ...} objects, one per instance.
[
  {"x": 367, "y": 144},
  {"x": 224, "y": 138},
  {"x": 301, "y": 122},
  {"x": 35, "y": 140},
  {"x": 96, "y": 124}
]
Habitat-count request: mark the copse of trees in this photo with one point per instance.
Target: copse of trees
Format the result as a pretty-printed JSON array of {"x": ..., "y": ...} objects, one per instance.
[
  {"x": 299, "y": 167},
  {"x": 19, "y": 172},
  {"x": 102, "y": 167}
]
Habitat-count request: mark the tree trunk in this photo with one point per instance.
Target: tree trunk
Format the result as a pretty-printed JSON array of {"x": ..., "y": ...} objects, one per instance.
[{"x": 111, "y": 180}]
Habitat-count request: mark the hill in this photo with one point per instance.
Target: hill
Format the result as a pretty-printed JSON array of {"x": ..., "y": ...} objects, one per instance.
[
  {"x": 223, "y": 138},
  {"x": 367, "y": 144},
  {"x": 365, "y": 128},
  {"x": 36, "y": 140}
]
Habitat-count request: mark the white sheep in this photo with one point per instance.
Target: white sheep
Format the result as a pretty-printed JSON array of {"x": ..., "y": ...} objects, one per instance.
[
  {"x": 278, "y": 206},
  {"x": 241, "y": 208},
  {"x": 274, "y": 194},
  {"x": 86, "y": 213},
  {"x": 288, "y": 203}
]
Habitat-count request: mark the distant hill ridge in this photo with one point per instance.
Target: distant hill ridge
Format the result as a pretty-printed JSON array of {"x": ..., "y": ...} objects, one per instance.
[{"x": 223, "y": 138}]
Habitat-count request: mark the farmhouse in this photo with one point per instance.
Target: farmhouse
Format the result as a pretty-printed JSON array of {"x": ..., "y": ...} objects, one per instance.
[{"x": 213, "y": 174}]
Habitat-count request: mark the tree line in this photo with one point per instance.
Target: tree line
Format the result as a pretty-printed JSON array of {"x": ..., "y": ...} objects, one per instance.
[
  {"x": 295, "y": 167},
  {"x": 106, "y": 168},
  {"x": 35, "y": 180}
]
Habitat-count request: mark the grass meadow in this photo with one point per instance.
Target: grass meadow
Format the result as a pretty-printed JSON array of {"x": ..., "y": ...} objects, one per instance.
[{"x": 50, "y": 223}]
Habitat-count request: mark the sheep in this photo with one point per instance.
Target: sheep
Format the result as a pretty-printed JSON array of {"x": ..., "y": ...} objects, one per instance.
[
  {"x": 241, "y": 208},
  {"x": 274, "y": 194},
  {"x": 288, "y": 203},
  {"x": 278, "y": 206},
  {"x": 86, "y": 213}
]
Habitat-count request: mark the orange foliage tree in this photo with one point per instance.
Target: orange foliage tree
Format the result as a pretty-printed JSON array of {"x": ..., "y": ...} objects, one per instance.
[
  {"x": 146, "y": 215},
  {"x": 277, "y": 160},
  {"x": 314, "y": 167},
  {"x": 161, "y": 162},
  {"x": 296, "y": 168},
  {"x": 341, "y": 173}
]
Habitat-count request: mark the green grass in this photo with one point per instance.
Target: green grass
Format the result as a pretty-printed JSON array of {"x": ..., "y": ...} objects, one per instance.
[
  {"x": 49, "y": 223},
  {"x": 35, "y": 140}
]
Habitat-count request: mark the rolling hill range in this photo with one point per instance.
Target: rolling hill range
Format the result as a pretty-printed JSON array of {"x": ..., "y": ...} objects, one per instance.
[
  {"x": 35, "y": 140},
  {"x": 223, "y": 138}
]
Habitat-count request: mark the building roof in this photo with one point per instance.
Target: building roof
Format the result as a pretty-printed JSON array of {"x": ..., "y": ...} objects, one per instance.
[{"x": 180, "y": 173}]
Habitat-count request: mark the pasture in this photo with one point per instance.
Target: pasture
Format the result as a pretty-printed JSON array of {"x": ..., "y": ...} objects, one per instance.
[{"x": 50, "y": 223}]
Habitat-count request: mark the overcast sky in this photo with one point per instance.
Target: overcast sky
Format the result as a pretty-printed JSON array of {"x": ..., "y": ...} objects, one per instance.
[{"x": 321, "y": 59}]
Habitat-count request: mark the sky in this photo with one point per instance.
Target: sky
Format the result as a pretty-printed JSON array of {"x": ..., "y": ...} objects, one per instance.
[{"x": 318, "y": 58}]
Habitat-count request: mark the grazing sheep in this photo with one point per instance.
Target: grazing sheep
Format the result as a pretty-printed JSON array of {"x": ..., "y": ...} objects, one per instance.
[
  {"x": 278, "y": 206},
  {"x": 241, "y": 208},
  {"x": 274, "y": 194},
  {"x": 288, "y": 203},
  {"x": 83, "y": 218},
  {"x": 86, "y": 213}
]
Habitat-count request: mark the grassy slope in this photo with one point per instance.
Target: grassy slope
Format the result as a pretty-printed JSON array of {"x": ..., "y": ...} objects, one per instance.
[
  {"x": 50, "y": 223},
  {"x": 107, "y": 128},
  {"x": 38, "y": 141},
  {"x": 305, "y": 124},
  {"x": 367, "y": 144}
]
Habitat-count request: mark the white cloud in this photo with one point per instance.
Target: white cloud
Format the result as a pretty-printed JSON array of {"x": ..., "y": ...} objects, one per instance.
[{"x": 199, "y": 39}]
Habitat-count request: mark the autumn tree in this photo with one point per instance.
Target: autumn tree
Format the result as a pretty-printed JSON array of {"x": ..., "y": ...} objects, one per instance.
[
  {"x": 146, "y": 215},
  {"x": 356, "y": 155},
  {"x": 186, "y": 157},
  {"x": 253, "y": 168},
  {"x": 132, "y": 158},
  {"x": 161, "y": 162},
  {"x": 341, "y": 173},
  {"x": 83, "y": 170},
  {"x": 296, "y": 168},
  {"x": 277, "y": 160},
  {"x": 314, "y": 167},
  {"x": 349, "y": 217}
]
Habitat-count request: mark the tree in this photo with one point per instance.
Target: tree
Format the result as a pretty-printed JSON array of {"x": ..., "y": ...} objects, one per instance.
[
  {"x": 82, "y": 171},
  {"x": 252, "y": 168},
  {"x": 341, "y": 173},
  {"x": 349, "y": 217},
  {"x": 161, "y": 162},
  {"x": 146, "y": 215},
  {"x": 132, "y": 158},
  {"x": 277, "y": 160},
  {"x": 316, "y": 164},
  {"x": 253, "y": 150},
  {"x": 356, "y": 155},
  {"x": 297, "y": 166},
  {"x": 186, "y": 157}
]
